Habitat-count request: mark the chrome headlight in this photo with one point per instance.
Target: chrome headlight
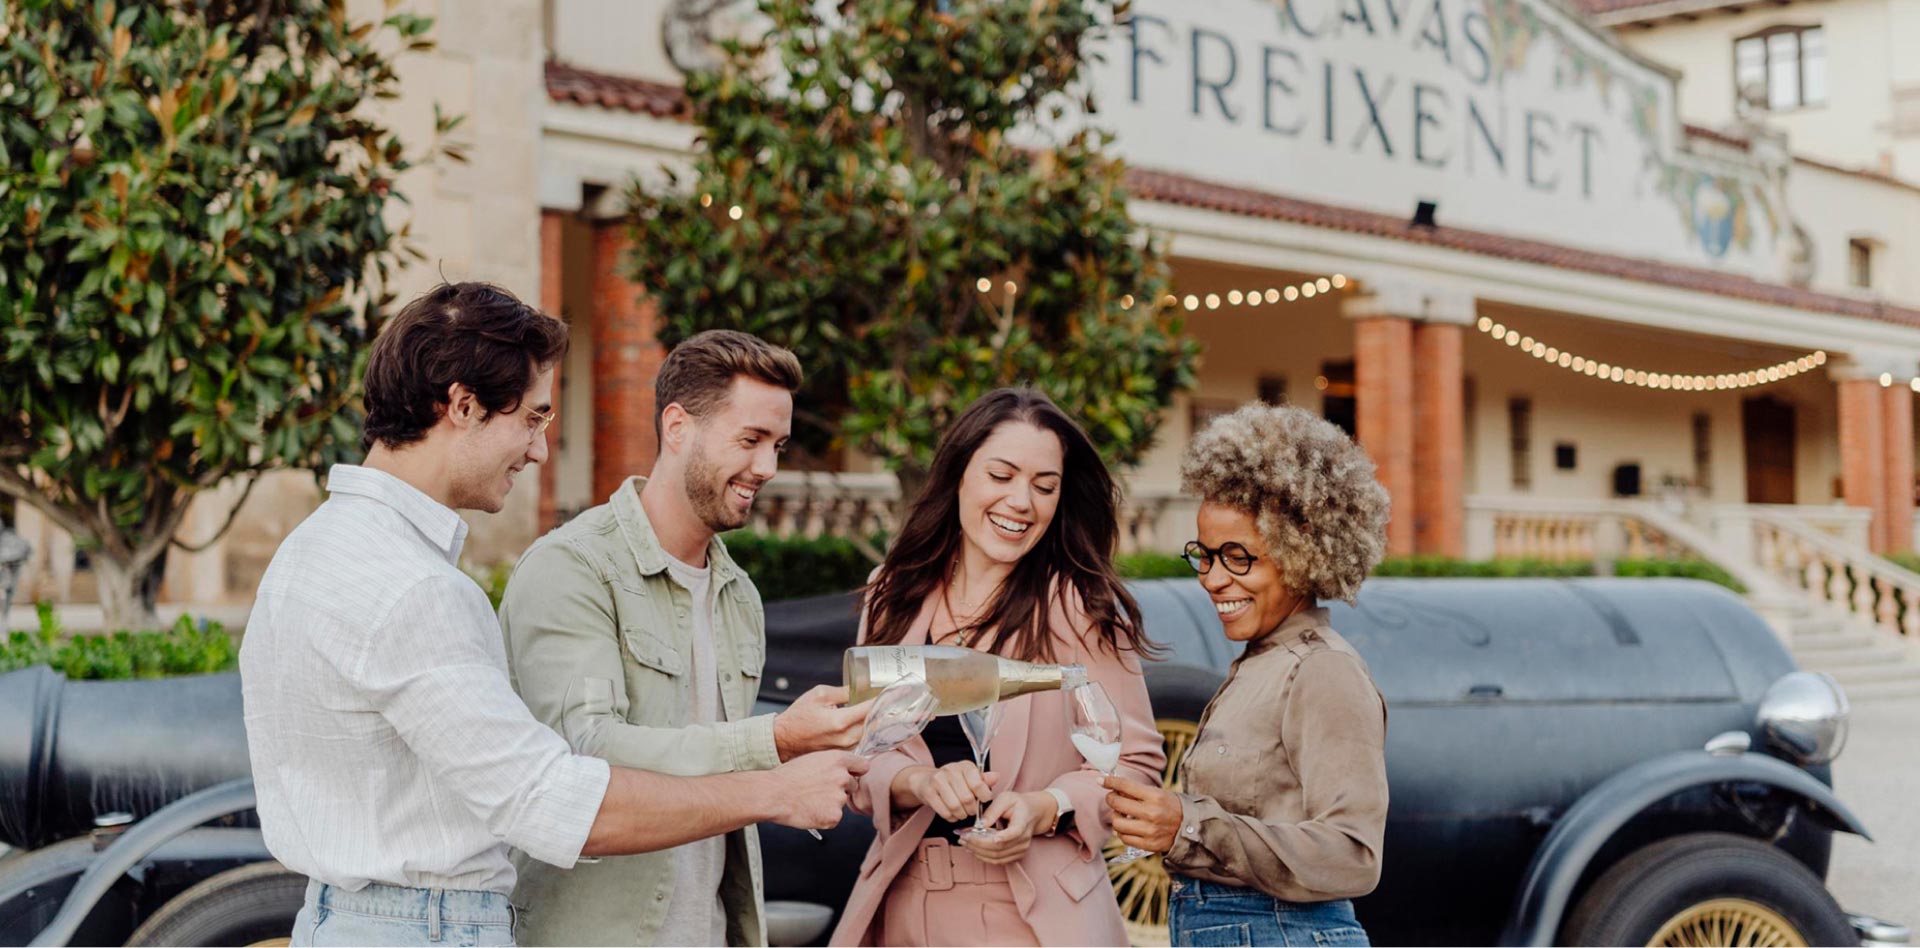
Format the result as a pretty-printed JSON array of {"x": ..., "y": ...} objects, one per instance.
[{"x": 1804, "y": 716}]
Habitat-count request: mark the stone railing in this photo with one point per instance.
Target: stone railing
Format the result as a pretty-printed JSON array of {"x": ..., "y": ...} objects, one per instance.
[
  {"x": 861, "y": 505},
  {"x": 1848, "y": 524},
  {"x": 1567, "y": 530},
  {"x": 1845, "y": 577},
  {"x": 843, "y": 505}
]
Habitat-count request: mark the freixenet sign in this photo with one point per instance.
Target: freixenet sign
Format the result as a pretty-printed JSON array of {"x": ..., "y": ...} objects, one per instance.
[{"x": 1513, "y": 115}]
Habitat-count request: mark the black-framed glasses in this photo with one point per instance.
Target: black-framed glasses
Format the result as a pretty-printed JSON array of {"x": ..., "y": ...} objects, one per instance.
[{"x": 1231, "y": 555}]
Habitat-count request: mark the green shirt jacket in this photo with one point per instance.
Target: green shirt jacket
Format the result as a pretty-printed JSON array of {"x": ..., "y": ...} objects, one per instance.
[{"x": 599, "y": 639}]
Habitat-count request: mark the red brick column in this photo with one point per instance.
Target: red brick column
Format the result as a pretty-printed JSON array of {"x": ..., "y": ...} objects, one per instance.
[
  {"x": 1863, "y": 453},
  {"x": 1897, "y": 416},
  {"x": 1439, "y": 440},
  {"x": 1383, "y": 377},
  {"x": 552, "y": 227},
  {"x": 626, "y": 357}
]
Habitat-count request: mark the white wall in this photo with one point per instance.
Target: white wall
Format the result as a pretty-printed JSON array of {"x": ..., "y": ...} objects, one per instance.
[
  {"x": 1863, "y": 50},
  {"x": 1836, "y": 207}
]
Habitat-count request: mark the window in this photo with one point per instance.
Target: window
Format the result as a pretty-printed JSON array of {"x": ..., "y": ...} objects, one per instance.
[
  {"x": 1783, "y": 67},
  {"x": 1273, "y": 389},
  {"x": 1520, "y": 440},
  {"x": 1860, "y": 262},
  {"x": 1338, "y": 394}
]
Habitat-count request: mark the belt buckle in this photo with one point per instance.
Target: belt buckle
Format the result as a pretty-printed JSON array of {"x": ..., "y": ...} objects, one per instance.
[{"x": 935, "y": 856}]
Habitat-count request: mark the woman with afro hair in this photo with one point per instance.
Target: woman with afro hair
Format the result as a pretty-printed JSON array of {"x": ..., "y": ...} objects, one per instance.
[{"x": 1285, "y": 807}]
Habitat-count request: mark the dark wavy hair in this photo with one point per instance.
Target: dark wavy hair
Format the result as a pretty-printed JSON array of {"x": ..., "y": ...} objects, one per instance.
[
  {"x": 1075, "y": 555},
  {"x": 476, "y": 334}
]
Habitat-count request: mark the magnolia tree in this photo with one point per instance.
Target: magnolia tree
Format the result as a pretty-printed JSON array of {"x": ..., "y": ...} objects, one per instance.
[
  {"x": 878, "y": 189},
  {"x": 192, "y": 241}
]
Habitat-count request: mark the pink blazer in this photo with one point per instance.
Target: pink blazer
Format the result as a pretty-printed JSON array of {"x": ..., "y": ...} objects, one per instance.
[{"x": 1060, "y": 885}]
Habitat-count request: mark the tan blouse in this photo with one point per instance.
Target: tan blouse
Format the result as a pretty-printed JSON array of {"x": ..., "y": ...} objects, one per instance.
[{"x": 1286, "y": 786}]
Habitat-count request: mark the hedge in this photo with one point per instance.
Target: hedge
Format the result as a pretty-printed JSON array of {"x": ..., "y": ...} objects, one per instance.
[{"x": 186, "y": 648}]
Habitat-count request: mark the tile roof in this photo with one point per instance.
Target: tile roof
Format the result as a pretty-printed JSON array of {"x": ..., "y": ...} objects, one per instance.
[
  {"x": 583, "y": 87},
  {"x": 569, "y": 84}
]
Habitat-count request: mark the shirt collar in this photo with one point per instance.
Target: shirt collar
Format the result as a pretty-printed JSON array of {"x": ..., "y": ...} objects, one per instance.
[
  {"x": 1290, "y": 631},
  {"x": 645, "y": 543},
  {"x": 437, "y": 522}
]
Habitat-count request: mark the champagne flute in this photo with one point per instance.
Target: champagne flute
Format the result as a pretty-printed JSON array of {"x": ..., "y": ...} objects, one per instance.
[
  {"x": 1096, "y": 735},
  {"x": 980, "y": 725},
  {"x": 899, "y": 713}
]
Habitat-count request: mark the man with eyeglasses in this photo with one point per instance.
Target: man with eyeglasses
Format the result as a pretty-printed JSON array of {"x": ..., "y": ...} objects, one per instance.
[{"x": 393, "y": 763}]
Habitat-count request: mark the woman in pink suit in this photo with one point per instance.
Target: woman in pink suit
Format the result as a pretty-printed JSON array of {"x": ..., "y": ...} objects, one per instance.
[{"x": 1008, "y": 550}]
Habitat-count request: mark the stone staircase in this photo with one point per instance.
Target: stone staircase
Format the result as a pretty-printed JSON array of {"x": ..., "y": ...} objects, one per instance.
[{"x": 1868, "y": 663}]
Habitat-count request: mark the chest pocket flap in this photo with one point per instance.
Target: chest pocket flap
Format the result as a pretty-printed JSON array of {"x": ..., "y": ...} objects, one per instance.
[{"x": 650, "y": 650}]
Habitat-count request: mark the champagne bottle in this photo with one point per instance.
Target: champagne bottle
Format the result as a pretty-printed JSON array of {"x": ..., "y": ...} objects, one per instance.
[{"x": 961, "y": 679}]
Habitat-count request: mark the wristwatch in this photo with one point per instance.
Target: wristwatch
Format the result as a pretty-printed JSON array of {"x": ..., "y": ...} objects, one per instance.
[{"x": 1062, "y": 807}]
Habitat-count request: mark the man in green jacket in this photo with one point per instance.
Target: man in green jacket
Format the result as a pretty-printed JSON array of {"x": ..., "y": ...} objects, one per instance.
[{"x": 631, "y": 632}]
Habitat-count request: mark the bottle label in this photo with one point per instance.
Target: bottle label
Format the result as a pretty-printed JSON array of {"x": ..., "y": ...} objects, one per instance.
[{"x": 888, "y": 664}]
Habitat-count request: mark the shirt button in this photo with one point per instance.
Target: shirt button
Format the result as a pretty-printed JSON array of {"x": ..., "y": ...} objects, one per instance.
[
  {"x": 1219, "y": 748},
  {"x": 659, "y": 896},
  {"x": 1193, "y": 831}
]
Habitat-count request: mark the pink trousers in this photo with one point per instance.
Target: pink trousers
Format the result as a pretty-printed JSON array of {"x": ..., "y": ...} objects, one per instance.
[{"x": 947, "y": 896}]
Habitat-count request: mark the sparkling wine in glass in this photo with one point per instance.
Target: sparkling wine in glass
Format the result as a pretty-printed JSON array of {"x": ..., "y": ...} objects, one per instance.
[
  {"x": 1095, "y": 732},
  {"x": 899, "y": 713},
  {"x": 980, "y": 725}
]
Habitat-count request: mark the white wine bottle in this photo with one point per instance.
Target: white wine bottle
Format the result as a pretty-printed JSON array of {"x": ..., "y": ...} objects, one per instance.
[{"x": 961, "y": 679}]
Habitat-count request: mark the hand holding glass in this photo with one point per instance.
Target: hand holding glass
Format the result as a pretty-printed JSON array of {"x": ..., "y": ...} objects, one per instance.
[
  {"x": 979, "y": 725},
  {"x": 899, "y": 713},
  {"x": 1096, "y": 735}
]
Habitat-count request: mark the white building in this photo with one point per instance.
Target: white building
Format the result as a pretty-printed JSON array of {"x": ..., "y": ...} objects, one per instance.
[{"x": 1625, "y": 286}]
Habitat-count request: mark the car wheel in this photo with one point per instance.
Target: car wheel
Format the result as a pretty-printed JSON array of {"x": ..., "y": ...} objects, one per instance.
[
  {"x": 1143, "y": 886},
  {"x": 1708, "y": 889},
  {"x": 252, "y": 905}
]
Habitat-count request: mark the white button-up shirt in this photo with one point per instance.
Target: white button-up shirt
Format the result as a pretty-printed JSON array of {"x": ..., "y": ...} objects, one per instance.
[{"x": 387, "y": 743}]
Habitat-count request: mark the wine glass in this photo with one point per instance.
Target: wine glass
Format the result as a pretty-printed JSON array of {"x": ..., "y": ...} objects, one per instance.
[
  {"x": 1095, "y": 732},
  {"x": 980, "y": 725},
  {"x": 899, "y": 713}
]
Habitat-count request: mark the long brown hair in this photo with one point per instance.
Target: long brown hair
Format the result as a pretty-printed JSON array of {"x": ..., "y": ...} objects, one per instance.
[{"x": 1075, "y": 555}]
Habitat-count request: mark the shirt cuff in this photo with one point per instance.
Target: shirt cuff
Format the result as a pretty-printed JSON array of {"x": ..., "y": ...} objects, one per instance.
[
  {"x": 1187, "y": 850},
  {"x": 560, "y": 813},
  {"x": 750, "y": 744}
]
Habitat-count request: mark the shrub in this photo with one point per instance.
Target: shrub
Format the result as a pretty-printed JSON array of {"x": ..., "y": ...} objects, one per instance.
[
  {"x": 1684, "y": 569},
  {"x": 186, "y": 648},
  {"x": 1152, "y": 566},
  {"x": 1430, "y": 567},
  {"x": 793, "y": 567}
]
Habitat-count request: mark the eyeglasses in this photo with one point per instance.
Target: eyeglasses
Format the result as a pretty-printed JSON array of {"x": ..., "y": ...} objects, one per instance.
[
  {"x": 1231, "y": 555},
  {"x": 537, "y": 421}
]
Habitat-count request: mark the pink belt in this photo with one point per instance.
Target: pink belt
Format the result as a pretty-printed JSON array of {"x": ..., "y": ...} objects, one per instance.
[{"x": 941, "y": 864}]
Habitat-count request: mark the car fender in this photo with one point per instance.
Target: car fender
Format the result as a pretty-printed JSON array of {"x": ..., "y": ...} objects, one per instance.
[
  {"x": 136, "y": 844},
  {"x": 1563, "y": 856}
]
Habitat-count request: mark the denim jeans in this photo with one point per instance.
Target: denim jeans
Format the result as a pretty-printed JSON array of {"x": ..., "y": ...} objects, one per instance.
[
  {"x": 395, "y": 915},
  {"x": 1208, "y": 913}
]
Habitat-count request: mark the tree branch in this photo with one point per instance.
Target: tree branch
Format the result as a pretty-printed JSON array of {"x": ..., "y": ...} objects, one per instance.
[
  {"x": 13, "y": 484},
  {"x": 232, "y": 515}
]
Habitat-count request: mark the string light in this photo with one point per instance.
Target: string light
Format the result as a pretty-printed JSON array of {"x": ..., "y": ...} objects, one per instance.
[
  {"x": 1192, "y": 302},
  {"x": 1663, "y": 381},
  {"x": 1306, "y": 289}
]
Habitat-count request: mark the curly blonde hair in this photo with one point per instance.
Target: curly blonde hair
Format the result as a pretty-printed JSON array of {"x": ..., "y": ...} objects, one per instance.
[{"x": 1309, "y": 487}]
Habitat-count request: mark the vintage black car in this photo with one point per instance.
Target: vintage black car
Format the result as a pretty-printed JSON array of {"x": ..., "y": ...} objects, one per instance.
[{"x": 1573, "y": 762}]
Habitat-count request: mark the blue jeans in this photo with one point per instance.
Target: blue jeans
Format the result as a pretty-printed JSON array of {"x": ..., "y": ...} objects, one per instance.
[
  {"x": 396, "y": 915},
  {"x": 1205, "y": 914}
]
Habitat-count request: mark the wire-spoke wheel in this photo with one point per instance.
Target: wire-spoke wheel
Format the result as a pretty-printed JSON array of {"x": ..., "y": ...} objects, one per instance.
[
  {"x": 1737, "y": 923},
  {"x": 1143, "y": 885},
  {"x": 1708, "y": 889}
]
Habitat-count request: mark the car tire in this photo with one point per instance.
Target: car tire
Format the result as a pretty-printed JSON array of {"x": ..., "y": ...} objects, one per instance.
[
  {"x": 252, "y": 905},
  {"x": 1655, "y": 895}
]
